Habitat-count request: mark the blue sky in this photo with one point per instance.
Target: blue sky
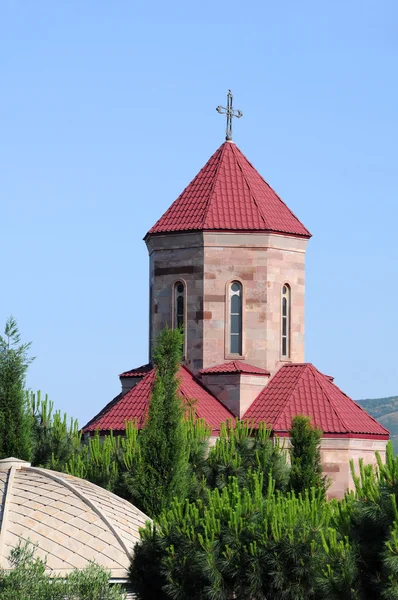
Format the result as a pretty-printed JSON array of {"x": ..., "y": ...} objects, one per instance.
[{"x": 107, "y": 111}]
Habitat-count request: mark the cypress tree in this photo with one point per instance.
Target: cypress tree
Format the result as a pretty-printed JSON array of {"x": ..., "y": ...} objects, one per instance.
[
  {"x": 305, "y": 457},
  {"x": 15, "y": 421},
  {"x": 163, "y": 473}
]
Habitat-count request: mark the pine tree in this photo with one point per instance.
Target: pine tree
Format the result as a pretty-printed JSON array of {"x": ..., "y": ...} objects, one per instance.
[
  {"x": 55, "y": 440},
  {"x": 15, "y": 421},
  {"x": 164, "y": 472},
  {"x": 305, "y": 457}
]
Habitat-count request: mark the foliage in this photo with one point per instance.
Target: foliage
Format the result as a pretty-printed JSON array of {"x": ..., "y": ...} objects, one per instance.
[
  {"x": 305, "y": 457},
  {"x": 240, "y": 450},
  {"x": 369, "y": 520},
  {"x": 385, "y": 410},
  {"x": 55, "y": 440},
  {"x": 197, "y": 434},
  {"x": 164, "y": 470},
  {"x": 15, "y": 422},
  {"x": 28, "y": 580},
  {"x": 243, "y": 542},
  {"x": 105, "y": 461},
  {"x": 92, "y": 583}
]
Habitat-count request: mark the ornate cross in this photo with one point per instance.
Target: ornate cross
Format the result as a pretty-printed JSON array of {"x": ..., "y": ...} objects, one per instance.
[{"x": 230, "y": 112}]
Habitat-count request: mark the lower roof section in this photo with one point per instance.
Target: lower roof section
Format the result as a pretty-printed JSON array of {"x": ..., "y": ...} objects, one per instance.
[
  {"x": 134, "y": 404},
  {"x": 300, "y": 389},
  {"x": 296, "y": 389}
]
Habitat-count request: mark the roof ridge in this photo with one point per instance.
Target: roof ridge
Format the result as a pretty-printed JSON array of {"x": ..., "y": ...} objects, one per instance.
[
  {"x": 272, "y": 189},
  {"x": 115, "y": 400},
  {"x": 213, "y": 185},
  {"x": 198, "y": 382},
  {"x": 350, "y": 400},
  {"x": 6, "y": 504},
  {"x": 248, "y": 186},
  {"x": 184, "y": 190},
  {"x": 143, "y": 367},
  {"x": 90, "y": 503},
  {"x": 315, "y": 373},
  {"x": 283, "y": 408},
  {"x": 104, "y": 410}
]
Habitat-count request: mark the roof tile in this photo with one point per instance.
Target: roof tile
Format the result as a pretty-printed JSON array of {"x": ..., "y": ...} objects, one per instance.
[
  {"x": 138, "y": 372},
  {"x": 235, "y": 366},
  {"x": 134, "y": 404},
  {"x": 229, "y": 194},
  {"x": 301, "y": 389}
]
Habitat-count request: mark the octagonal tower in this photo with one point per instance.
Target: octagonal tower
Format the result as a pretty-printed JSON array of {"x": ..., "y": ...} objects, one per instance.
[{"x": 227, "y": 262}]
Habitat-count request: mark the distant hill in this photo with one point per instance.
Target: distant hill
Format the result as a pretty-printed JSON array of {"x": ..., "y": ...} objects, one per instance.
[{"x": 385, "y": 410}]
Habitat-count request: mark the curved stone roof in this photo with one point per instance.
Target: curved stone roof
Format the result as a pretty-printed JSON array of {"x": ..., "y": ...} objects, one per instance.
[{"x": 71, "y": 520}]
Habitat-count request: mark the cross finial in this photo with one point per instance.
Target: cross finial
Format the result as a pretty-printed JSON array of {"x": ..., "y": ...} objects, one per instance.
[{"x": 230, "y": 112}]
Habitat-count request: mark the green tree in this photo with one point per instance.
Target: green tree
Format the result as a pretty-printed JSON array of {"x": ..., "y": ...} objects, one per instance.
[
  {"x": 106, "y": 461},
  {"x": 246, "y": 542},
  {"x": 368, "y": 519},
  {"x": 15, "y": 421},
  {"x": 29, "y": 579},
  {"x": 242, "y": 449},
  {"x": 92, "y": 583},
  {"x": 55, "y": 440},
  {"x": 164, "y": 467},
  {"x": 305, "y": 457}
]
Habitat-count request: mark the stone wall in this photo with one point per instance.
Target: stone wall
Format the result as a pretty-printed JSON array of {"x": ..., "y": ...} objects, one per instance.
[
  {"x": 236, "y": 391},
  {"x": 207, "y": 263},
  {"x": 336, "y": 454},
  {"x": 175, "y": 258},
  {"x": 263, "y": 263}
]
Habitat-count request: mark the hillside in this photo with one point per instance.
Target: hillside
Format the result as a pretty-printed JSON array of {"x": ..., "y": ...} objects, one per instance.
[{"x": 385, "y": 410}]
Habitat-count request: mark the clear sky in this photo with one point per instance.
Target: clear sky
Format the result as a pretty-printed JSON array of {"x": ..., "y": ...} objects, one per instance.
[{"x": 107, "y": 111}]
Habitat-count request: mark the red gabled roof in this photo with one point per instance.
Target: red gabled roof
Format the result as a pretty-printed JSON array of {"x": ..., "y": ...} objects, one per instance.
[
  {"x": 300, "y": 389},
  {"x": 134, "y": 405},
  {"x": 235, "y": 366},
  {"x": 138, "y": 372},
  {"x": 229, "y": 194}
]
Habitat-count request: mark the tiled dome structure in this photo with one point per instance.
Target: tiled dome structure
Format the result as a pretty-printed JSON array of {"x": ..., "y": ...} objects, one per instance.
[{"x": 71, "y": 520}]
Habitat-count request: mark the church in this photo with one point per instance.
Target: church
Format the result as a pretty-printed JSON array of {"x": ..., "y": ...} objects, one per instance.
[{"x": 227, "y": 263}]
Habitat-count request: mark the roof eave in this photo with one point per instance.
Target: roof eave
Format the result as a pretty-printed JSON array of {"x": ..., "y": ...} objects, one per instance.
[{"x": 150, "y": 233}]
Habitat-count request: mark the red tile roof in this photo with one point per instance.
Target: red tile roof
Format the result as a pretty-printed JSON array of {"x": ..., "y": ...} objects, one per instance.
[
  {"x": 229, "y": 194},
  {"x": 134, "y": 405},
  {"x": 138, "y": 372},
  {"x": 300, "y": 389},
  {"x": 235, "y": 366}
]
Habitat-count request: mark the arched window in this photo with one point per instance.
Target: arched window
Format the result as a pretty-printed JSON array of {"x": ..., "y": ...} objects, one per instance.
[
  {"x": 179, "y": 304},
  {"x": 235, "y": 320},
  {"x": 285, "y": 338}
]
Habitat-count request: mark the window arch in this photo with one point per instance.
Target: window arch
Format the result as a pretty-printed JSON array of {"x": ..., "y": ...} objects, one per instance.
[
  {"x": 235, "y": 318},
  {"x": 285, "y": 311},
  {"x": 179, "y": 305}
]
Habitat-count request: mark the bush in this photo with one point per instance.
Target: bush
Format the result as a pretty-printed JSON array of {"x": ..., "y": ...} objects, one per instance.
[{"x": 28, "y": 580}]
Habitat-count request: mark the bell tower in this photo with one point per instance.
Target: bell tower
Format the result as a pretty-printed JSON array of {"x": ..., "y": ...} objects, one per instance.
[{"x": 227, "y": 262}]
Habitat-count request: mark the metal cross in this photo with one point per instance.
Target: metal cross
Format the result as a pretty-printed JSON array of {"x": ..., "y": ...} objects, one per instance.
[{"x": 230, "y": 112}]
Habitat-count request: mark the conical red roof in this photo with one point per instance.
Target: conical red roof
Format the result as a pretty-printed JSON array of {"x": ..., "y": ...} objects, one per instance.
[
  {"x": 300, "y": 389},
  {"x": 229, "y": 194}
]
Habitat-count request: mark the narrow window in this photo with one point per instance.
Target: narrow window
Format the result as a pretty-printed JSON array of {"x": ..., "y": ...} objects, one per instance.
[
  {"x": 285, "y": 321},
  {"x": 179, "y": 304},
  {"x": 235, "y": 324}
]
